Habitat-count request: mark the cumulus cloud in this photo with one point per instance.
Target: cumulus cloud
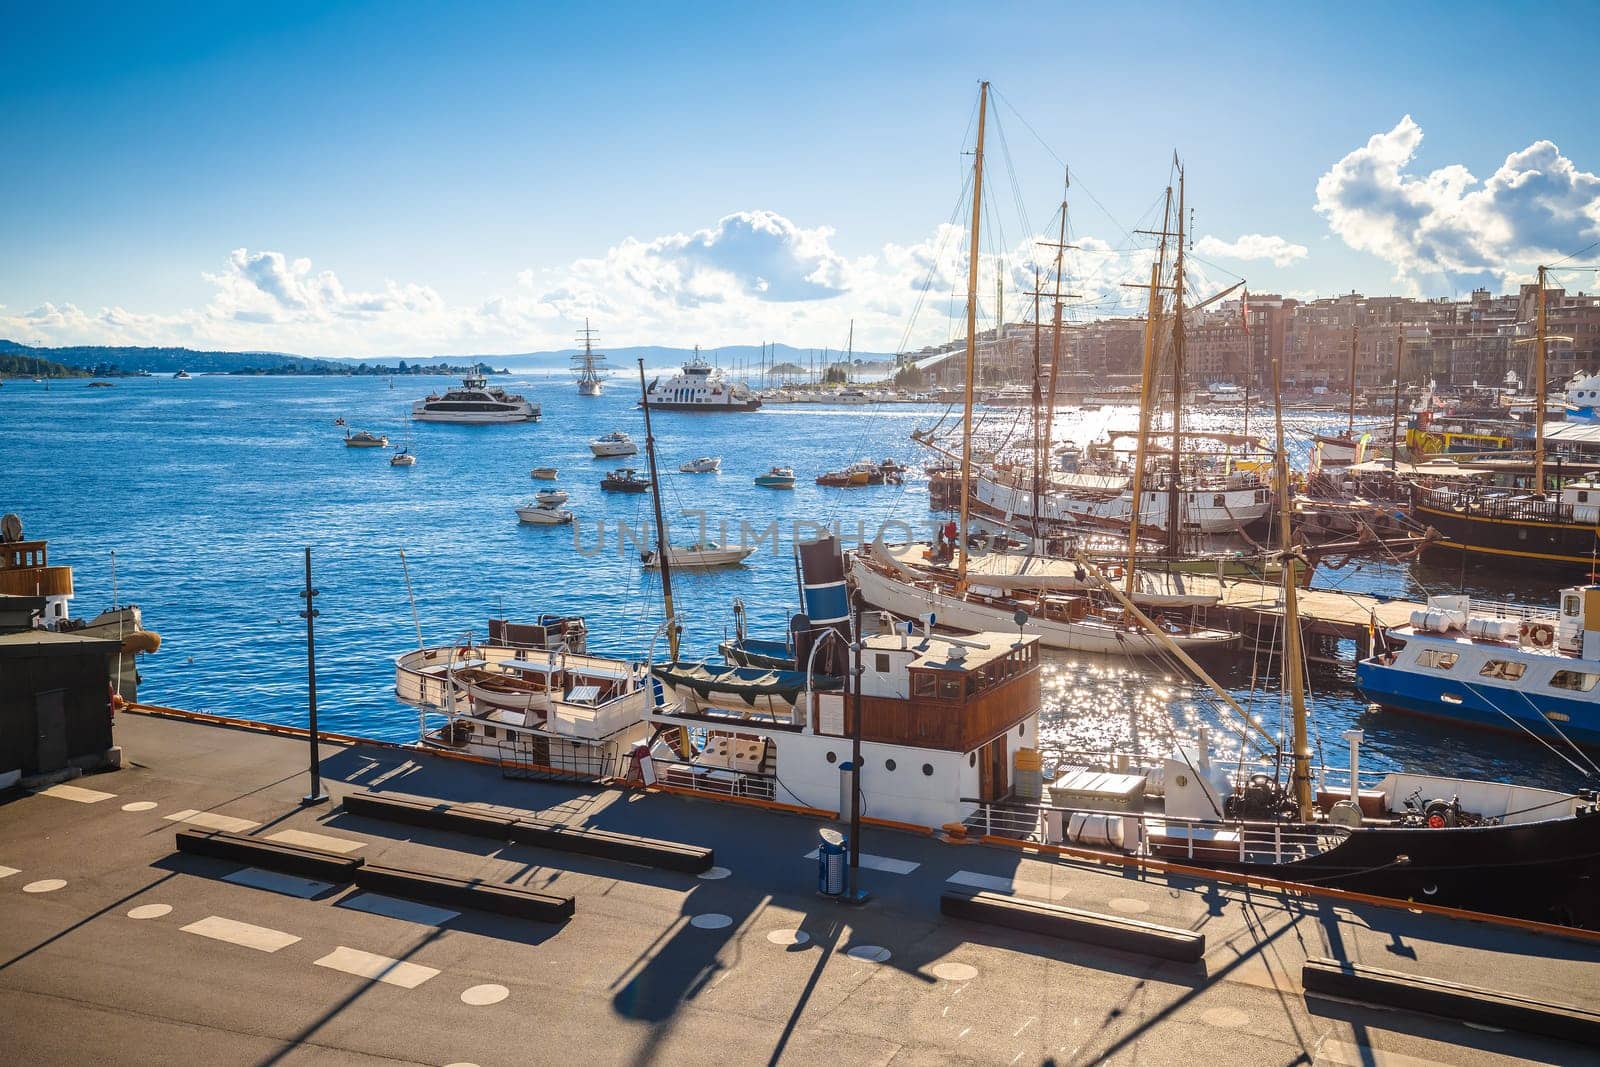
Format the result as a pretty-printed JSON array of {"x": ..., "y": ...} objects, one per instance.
[
  {"x": 751, "y": 276},
  {"x": 1448, "y": 227},
  {"x": 1270, "y": 247}
]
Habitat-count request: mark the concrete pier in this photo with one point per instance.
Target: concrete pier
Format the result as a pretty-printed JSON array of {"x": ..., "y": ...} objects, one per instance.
[{"x": 115, "y": 947}]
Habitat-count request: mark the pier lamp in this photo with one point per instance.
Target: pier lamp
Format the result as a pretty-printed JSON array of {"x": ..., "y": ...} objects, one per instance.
[{"x": 316, "y": 795}]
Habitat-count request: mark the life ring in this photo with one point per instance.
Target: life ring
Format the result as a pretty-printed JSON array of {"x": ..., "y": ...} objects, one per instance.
[{"x": 1541, "y": 635}]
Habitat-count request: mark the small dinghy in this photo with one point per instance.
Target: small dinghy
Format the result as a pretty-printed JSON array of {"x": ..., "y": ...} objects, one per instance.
[{"x": 702, "y": 554}]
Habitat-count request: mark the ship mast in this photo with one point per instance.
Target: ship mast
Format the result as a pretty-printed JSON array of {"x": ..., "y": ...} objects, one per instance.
[
  {"x": 1355, "y": 342},
  {"x": 1174, "y": 491},
  {"x": 1539, "y": 355},
  {"x": 1146, "y": 392},
  {"x": 1293, "y": 678},
  {"x": 1041, "y": 447},
  {"x": 972, "y": 335},
  {"x": 1061, "y": 247},
  {"x": 661, "y": 525}
]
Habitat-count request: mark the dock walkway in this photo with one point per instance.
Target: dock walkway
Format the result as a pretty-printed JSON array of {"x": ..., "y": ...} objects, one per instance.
[{"x": 116, "y": 948}]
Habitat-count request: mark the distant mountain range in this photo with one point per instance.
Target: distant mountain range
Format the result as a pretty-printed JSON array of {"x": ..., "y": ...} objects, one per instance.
[{"x": 112, "y": 360}]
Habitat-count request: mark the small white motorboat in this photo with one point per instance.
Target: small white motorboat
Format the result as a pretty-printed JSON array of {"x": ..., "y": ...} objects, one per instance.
[
  {"x": 403, "y": 457},
  {"x": 777, "y": 478},
  {"x": 544, "y": 474},
  {"x": 551, "y": 497},
  {"x": 700, "y": 554},
  {"x": 543, "y": 515},
  {"x": 615, "y": 443},
  {"x": 363, "y": 439},
  {"x": 703, "y": 465}
]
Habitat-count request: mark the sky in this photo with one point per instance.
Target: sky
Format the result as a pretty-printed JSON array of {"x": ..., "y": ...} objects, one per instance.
[{"x": 404, "y": 179}]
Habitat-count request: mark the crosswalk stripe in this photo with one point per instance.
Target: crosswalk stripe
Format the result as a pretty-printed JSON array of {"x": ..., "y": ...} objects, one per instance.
[
  {"x": 259, "y": 938},
  {"x": 78, "y": 793},
  {"x": 306, "y": 839},
  {"x": 212, "y": 821},
  {"x": 377, "y": 968},
  {"x": 887, "y": 864},
  {"x": 272, "y": 881}
]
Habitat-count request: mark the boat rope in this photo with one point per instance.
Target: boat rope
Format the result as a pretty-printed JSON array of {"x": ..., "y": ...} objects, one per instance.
[{"x": 1592, "y": 770}]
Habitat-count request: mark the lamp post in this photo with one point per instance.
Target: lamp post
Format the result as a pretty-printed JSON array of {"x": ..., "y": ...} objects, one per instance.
[
  {"x": 856, "y": 895},
  {"x": 316, "y": 796}
]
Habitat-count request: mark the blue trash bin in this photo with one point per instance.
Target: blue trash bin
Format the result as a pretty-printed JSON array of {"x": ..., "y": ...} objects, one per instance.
[{"x": 831, "y": 854}]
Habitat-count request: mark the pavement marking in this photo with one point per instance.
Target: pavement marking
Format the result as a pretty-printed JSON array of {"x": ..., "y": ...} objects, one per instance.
[
  {"x": 714, "y": 874},
  {"x": 1128, "y": 906},
  {"x": 259, "y": 938},
  {"x": 45, "y": 885},
  {"x": 394, "y": 908},
  {"x": 869, "y": 954},
  {"x": 954, "y": 972},
  {"x": 78, "y": 793},
  {"x": 150, "y": 911},
  {"x": 1336, "y": 1053},
  {"x": 1226, "y": 1018},
  {"x": 139, "y": 805},
  {"x": 7, "y": 872},
  {"x": 789, "y": 937},
  {"x": 711, "y": 920},
  {"x": 212, "y": 821},
  {"x": 272, "y": 881},
  {"x": 306, "y": 839},
  {"x": 887, "y": 864},
  {"x": 482, "y": 995},
  {"x": 995, "y": 883},
  {"x": 377, "y": 968}
]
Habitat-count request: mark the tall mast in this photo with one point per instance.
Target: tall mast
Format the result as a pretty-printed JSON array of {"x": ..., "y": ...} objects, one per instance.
[
  {"x": 661, "y": 525},
  {"x": 1355, "y": 342},
  {"x": 1055, "y": 336},
  {"x": 1394, "y": 440},
  {"x": 1041, "y": 447},
  {"x": 1147, "y": 390},
  {"x": 972, "y": 333},
  {"x": 1174, "y": 491},
  {"x": 1293, "y": 679},
  {"x": 1538, "y": 393}
]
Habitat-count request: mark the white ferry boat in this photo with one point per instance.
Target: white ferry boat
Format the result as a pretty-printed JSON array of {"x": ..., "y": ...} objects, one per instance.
[
  {"x": 475, "y": 401},
  {"x": 700, "y": 387}
]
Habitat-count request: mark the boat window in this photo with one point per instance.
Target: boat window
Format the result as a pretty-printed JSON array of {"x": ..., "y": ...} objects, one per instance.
[
  {"x": 927, "y": 769},
  {"x": 1569, "y": 605},
  {"x": 1437, "y": 659},
  {"x": 1216, "y": 501},
  {"x": 1577, "y": 681},
  {"x": 1503, "y": 668},
  {"x": 888, "y": 764},
  {"x": 922, "y": 684},
  {"x": 883, "y": 663},
  {"x": 950, "y": 688}
]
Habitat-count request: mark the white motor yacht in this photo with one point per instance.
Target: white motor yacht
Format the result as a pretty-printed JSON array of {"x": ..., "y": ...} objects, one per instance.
[
  {"x": 615, "y": 443},
  {"x": 475, "y": 401}
]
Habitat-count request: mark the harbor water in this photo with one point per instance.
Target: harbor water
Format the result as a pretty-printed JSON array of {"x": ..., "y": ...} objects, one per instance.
[{"x": 208, "y": 491}]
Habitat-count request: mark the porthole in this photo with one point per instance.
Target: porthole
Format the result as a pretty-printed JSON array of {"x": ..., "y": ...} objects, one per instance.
[
  {"x": 1022, "y": 730},
  {"x": 972, "y": 759},
  {"x": 832, "y": 758},
  {"x": 927, "y": 769},
  {"x": 888, "y": 764}
]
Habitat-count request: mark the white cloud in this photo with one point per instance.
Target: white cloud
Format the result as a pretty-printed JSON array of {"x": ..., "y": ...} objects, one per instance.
[
  {"x": 1271, "y": 247},
  {"x": 1446, "y": 227},
  {"x": 752, "y": 276}
]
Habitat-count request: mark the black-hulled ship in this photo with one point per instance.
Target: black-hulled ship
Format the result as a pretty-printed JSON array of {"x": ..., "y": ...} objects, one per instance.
[{"x": 1559, "y": 530}]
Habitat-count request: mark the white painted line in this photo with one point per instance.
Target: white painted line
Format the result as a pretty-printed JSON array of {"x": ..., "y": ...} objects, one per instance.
[
  {"x": 45, "y": 885},
  {"x": 287, "y": 884},
  {"x": 887, "y": 864},
  {"x": 305, "y": 839},
  {"x": 212, "y": 821},
  {"x": 7, "y": 872},
  {"x": 377, "y": 904},
  {"x": 236, "y": 933},
  {"x": 955, "y": 972},
  {"x": 377, "y": 968},
  {"x": 869, "y": 954},
  {"x": 788, "y": 938},
  {"x": 139, "y": 805},
  {"x": 78, "y": 793},
  {"x": 711, "y": 920},
  {"x": 483, "y": 995},
  {"x": 150, "y": 911},
  {"x": 995, "y": 883}
]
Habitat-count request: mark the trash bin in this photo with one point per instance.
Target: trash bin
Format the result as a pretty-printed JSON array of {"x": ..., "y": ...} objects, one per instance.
[{"x": 831, "y": 854}]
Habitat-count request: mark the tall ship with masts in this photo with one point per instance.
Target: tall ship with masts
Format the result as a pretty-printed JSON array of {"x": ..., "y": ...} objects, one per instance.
[
  {"x": 589, "y": 364},
  {"x": 941, "y": 583}
]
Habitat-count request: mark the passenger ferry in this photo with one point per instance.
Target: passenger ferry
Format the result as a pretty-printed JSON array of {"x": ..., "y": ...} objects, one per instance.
[
  {"x": 700, "y": 387},
  {"x": 475, "y": 401},
  {"x": 1499, "y": 666}
]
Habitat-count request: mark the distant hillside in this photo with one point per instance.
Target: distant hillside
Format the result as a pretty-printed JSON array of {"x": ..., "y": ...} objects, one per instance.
[
  {"x": 14, "y": 366},
  {"x": 112, "y": 360}
]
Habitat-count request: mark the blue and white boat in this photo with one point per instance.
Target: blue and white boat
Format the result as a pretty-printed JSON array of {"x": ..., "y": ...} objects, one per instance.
[
  {"x": 1583, "y": 398},
  {"x": 1497, "y": 666}
]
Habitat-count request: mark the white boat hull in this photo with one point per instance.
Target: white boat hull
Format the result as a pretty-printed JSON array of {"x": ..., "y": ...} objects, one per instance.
[
  {"x": 526, "y": 413},
  {"x": 1207, "y": 510},
  {"x": 721, "y": 557},
  {"x": 959, "y": 613},
  {"x": 609, "y": 449},
  {"x": 590, "y": 388},
  {"x": 544, "y": 516}
]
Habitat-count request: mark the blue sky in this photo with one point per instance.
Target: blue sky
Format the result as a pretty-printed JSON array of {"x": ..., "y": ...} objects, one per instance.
[{"x": 396, "y": 178}]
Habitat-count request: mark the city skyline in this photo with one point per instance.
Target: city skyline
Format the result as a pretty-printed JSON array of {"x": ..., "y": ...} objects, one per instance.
[{"x": 398, "y": 182}]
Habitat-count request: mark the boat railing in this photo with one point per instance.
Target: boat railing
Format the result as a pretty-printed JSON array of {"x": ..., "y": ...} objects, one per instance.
[
  {"x": 1153, "y": 833},
  {"x": 525, "y": 755},
  {"x": 716, "y": 781}
]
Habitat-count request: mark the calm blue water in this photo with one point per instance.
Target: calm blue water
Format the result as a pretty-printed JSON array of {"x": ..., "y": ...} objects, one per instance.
[{"x": 209, "y": 490}]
